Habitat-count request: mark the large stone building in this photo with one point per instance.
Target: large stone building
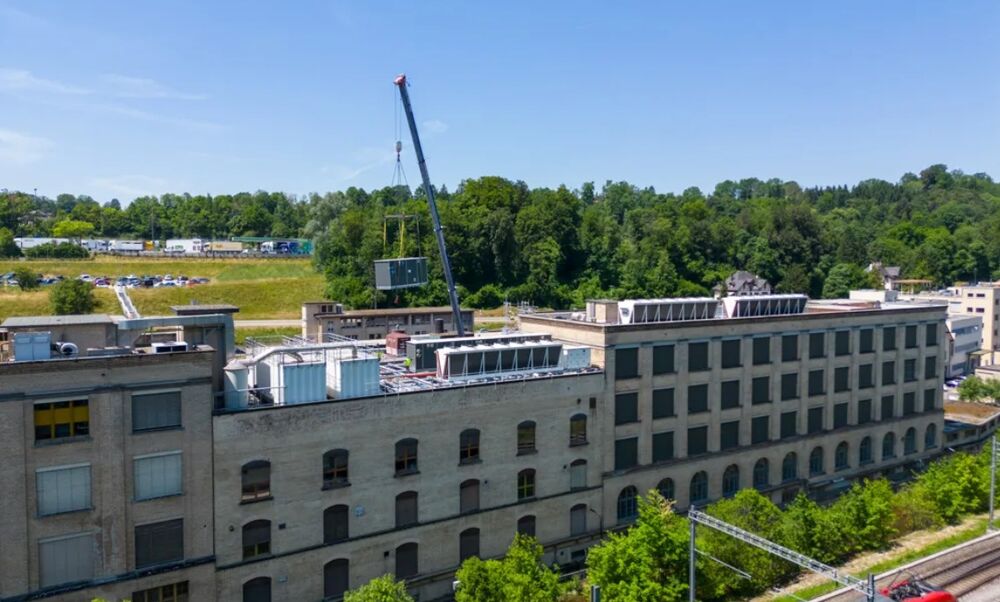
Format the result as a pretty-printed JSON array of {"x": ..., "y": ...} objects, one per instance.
[
  {"x": 320, "y": 318},
  {"x": 323, "y": 465}
]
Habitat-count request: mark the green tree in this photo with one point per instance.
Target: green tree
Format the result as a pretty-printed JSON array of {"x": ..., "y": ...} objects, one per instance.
[
  {"x": 974, "y": 388},
  {"x": 27, "y": 279},
  {"x": 813, "y": 530},
  {"x": 380, "y": 589},
  {"x": 648, "y": 563},
  {"x": 521, "y": 575},
  {"x": 8, "y": 248},
  {"x": 842, "y": 278},
  {"x": 866, "y": 513},
  {"x": 72, "y": 297},
  {"x": 74, "y": 229}
]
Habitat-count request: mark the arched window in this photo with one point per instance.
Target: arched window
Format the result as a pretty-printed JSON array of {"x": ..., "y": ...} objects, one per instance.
[
  {"x": 578, "y": 474},
  {"x": 840, "y": 458},
  {"x": 468, "y": 446},
  {"x": 406, "y": 561},
  {"x": 335, "y": 519},
  {"x": 256, "y": 539},
  {"x": 526, "y": 437},
  {"x": 816, "y": 461},
  {"x": 910, "y": 441},
  {"x": 578, "y": 519},
  {"x": 865, "y": 451},
  {"x": 468, "y": 496},
  {"x": 889, "y": 446},
  {"x": 406, "y": 456},
  {"x": 730, "y": 481},
  {"x": 406, "y": 509},
  {"x": 468, "y": 544},
  {"x": 666, "y": 489},
  {"x": 257, "y": 590},
  {"x": 790, "y": 467},
  {"x": 256, "y": 480},
  {"x": 762, "y": 474},
  {"x": 930, "y": 436},
  {"x": 628, "y": 505},
  {"x": 699, "y": 488},
  {"x": 578, "y": 430},
  {"x": 335, "y": 468},
  {"x": 526, "y": 525},
  {"x": 526, "y": 484},
  {"x": 336, "y": 577}
]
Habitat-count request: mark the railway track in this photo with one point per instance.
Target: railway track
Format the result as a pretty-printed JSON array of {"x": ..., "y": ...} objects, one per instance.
[{"x": 960, "y": 570}]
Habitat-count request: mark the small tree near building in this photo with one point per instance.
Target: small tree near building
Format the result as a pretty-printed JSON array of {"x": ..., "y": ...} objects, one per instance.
[
  {"x": 380, "y": 589},
  {"x": 72, "y": 297}
]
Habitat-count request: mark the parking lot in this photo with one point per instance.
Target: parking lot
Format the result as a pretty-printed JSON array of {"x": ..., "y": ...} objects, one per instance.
[{"x": 129, "y": 281}]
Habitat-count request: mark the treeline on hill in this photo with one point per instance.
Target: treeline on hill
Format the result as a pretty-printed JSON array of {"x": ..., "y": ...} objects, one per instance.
[{"x": 559, "y": 247}]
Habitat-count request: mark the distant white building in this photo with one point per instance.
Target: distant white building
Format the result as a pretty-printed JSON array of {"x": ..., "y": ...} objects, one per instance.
[
  {"x": 745, "y": 283},
  {"x": 888, "y": 274}
]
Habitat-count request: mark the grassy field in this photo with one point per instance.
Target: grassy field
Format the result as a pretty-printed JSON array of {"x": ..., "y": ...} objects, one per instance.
[
  {"x": 262, "y": 288},
  {"x": 265, "y": 333}
]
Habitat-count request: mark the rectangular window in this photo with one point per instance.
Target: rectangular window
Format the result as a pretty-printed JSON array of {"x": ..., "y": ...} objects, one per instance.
[
  {"x": 697, "y": 441},
  {"x": 888, "y": 373},
  {"x": 663, "y": 446},
  {"x": 815, "y": 419},
  {"x": 626, "y": 453},
  {"x": 817, "y": 345},
  {"x": 730, "y": 392},
  {"x": 731, "y": 353},
  {"x": 842, "y": 342},
  {"x": 840, "y": 415},
  {"x": 66, "y": 559},
  {"x": 866, "y": 378},
  {"x": 930, "y": 367},
  {"x": 729, "y": 435},
  {"x": 841, "y": 379},
  {"x": 761, "y": 351},
  {"x": 697, "y": 398},
  {"x": 930, "y": 399},
  {"x": 159, "y": 543},
  {"x": 790, "y": 386},
  {"x": 663, "y": 359},
  {"x": 789, "y": 424},
  {"x": 152, "y": 411},
  {"x": 909, "y": 370},
  {"x": 761, "y": 390},
  {"x": 174, "y": 592},
  {"x": 698, "y": 357},
  {"x": 889, "y": 338},
  {"x": 626, "y": 408},
  {"x": 931, "y": 335},
  {"x": 864, "y": 411},
  {"x": 760, "y": 429},
  {"x": 867, "y": 343},
  {"x": 789, "y": 347},
  {"x": 910, "y": 336},
  {"x": 909, "y": 403},
  {"x": 817, "y": 386},
  {"x": 888, "y": 401},
  {"x": 63, "y": 489},
  {"x": 61, "y": 419},
  {"x": 663, "y": 403},
  {"x": 157, "y": 475},
  {"x": 626, "y": 363}
]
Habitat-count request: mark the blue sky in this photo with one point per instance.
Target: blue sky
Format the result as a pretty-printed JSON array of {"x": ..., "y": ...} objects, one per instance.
[{"x": 117, "y": 99}]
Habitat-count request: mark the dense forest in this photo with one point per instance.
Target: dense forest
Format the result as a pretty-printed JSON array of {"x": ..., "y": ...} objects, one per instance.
[{"x": 557, "y": 247}]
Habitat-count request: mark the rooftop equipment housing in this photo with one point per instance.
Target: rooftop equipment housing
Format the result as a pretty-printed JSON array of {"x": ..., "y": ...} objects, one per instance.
[
  {"x": 457, "y": 363},
  {"x": 405, "y": 272},
  {"x": 423, "y": 359},
  {"x": 354, "y": 377},
  {"x": 32, "y": 346},
  {"x": 749, "y": 306},
  {"x": 644, "y": 311}
]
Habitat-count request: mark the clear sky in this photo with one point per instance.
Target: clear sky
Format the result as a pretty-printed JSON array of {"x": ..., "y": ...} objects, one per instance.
[{"x": 117, "y": 99}]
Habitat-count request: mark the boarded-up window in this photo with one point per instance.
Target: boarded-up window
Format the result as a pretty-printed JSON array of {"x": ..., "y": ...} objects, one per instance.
[
  {"x": 626, "y": 453},
  {"x": 663, "y": 403},
  {"x": 731, "y": 353},
  {"x": 930, "y": 367},
  {"x": 729, "y": 435},
  {"x": 663, "y": 359},
  {"x": 257, "y": 590},
  {"x": 697, "y": 440},
  {"x": 663, "y": 446},
  {"x": 626, "y": 408},
  {"x": 888, "y": 373},
  {"x": 864, "y": 411},
  {"x": 730, "y": 394},
  {"x": 761, "y": 351},
  {"x": 626, "y": 363},
  {"x": 159, "y": 543},
  {"x": 578, "y": 519},
  {"x": 931, "y": 335},
  {"x": 815, "y": 420},
  {"x": 406, "y": 561},
  {"x": 468, "y": 496},
  {"x": 842, "y": 342},
  {"x": 698, "y": 357},
  {"x": 697, "y": 398},
  {"x": 909, "y": 403},
  {"x": 840, "y": 415},
  {"x": 817, "y": 345},
  {"x": 817, "y": 384},
  {"x": 889, "y": 338},
  {"x": 526, "y": 525},
  {"x": 789, "y": 424},
  {"x": 336, "y": 577},
  {"x": 789, "y": 347},
  {"x": 760, "y": 429},
  {"x": 930, "y": 399},
  {"x": 153, "y": 411},
  {"x": 789, "y": 386},
  {"x": 761, "y": 390},
  {"x": 909, "y": 370},
  {"x": 335, "y": 523},
  {"x": 866, "y": 378},
  {"x": 406, "y": 509},
  {"x": 578, "y": 474},
  {"x": 841, "y": 379},
  {"x": 63, "y": 489},
  {"x": 867, "y": 342},
  {"x": 888, "y": 407},
  {"x": 910, "y": 336},
  {"x": 468, "y": 544}
]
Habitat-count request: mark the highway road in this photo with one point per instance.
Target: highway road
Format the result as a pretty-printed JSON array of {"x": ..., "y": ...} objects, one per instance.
[{"x": 294, "y": 323}]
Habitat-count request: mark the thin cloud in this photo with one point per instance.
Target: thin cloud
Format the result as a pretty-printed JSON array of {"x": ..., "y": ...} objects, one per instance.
[
  {"x": 366, "y": 159},
  {"x": 134, "y": 185},
  {"x": 21, "y": 149},
  {"x": 183, "y": 122},
  {"x": 21, "y": 80},
  {"x": 435, "y": 126},
  {"x": 123, "y": 86}
]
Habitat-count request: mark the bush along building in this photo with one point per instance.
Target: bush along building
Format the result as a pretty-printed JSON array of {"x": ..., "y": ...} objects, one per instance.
[{"x": 307, "y": 467}]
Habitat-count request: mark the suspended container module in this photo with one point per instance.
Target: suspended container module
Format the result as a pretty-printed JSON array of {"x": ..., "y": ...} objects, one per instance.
[{"x": 405, "y": 272}]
